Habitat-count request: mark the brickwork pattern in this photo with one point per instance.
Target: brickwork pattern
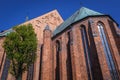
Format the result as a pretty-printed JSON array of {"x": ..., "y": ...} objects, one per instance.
[{"x": 63, "y": 57}]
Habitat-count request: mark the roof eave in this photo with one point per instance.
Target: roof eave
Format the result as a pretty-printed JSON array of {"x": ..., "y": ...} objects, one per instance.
[{"x": 81, "y": 20}]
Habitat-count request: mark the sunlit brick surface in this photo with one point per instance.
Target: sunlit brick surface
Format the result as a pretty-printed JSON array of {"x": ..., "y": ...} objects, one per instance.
[{"x": 76, "y": 53}]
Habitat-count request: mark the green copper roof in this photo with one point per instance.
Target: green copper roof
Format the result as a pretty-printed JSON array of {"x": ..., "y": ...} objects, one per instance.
[
  {"x": 78, "y": 15},
  {"x": 5, "y": 32}
]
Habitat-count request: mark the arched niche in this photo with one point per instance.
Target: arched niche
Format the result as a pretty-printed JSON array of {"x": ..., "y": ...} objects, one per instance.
[{"x": 107, "y": 50}]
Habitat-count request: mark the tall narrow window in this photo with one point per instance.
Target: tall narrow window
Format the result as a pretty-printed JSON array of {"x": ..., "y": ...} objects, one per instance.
[
  {"x": 68, "y": 61},
  {"x": 86, "y": 51},
  {"x": 5, "y": 69},
  {"x": 41, "y": 52},
  {"x": 108, "y": 53},
  {"x": 30, "y": 72},
  {"x": 57, "y": 60}
]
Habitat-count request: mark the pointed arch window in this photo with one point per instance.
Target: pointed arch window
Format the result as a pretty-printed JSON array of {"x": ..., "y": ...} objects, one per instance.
[
  {"x": 86, "y": 51},
  {"x": 107, "y": 52},
  {"x": 57, "y": 72},
  {"x": 68, "y": 61}
]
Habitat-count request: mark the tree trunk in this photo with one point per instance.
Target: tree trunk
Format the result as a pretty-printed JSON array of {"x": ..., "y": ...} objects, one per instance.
[{"x": 19, "y": 77}]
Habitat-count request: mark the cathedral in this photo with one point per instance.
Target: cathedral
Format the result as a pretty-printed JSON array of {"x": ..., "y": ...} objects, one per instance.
[{"x": 86, "y": 46}]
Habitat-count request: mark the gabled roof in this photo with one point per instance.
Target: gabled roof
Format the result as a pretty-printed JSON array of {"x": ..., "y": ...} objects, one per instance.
[
  {"x": 78, "y": 15},
  {"x": 6, "y": 32}
]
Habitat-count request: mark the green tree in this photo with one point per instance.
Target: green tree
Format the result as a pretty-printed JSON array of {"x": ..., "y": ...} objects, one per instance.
[{"x": 20, "y": 47}]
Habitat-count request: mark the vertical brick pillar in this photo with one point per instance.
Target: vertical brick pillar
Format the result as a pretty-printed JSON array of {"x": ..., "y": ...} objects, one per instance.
[
  {"x": 47, "y": 65},
  {"x": 24, "y": 75},
  {"x": 63, "y": 57},
  {"x": 82, "y": 61},
  {"x": 2, "y": 65},
  {"x": 77, "y": 58},
  {"x": 2, "y": 56},
  {"x": 96, "y": 70},
  {"x": 10, "y": 77},
  {"x": 54, "y": 60},
  {"x": 117, "y": 30},
  {"x": 36, "y": 72},
  {"x": 37, "y": 64},
  {"x": 100, "y": 52},
  {"x": 2, "y": 53}
]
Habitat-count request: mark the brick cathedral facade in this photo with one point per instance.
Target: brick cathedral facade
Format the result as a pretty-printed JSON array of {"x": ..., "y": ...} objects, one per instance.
[{"x": 86, "y": 46}]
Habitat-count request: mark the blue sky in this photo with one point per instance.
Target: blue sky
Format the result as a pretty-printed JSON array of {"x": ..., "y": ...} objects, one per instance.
[{"x": 14, "y": 12}]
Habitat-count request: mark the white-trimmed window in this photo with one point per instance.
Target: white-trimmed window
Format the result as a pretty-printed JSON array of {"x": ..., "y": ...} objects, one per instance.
[{"x": 107, "y": 52}]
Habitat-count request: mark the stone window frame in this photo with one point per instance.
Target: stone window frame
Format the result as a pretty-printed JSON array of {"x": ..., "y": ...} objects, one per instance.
[
  {"x": 58, "y": 51},
  {"x": 107, "y": 49},
  {"x": 86, "y": 50}
]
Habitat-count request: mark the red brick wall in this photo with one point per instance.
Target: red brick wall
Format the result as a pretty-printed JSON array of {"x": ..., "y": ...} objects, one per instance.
[
  {"x": 72, "y": 59},
  {"x": 100, "y": 68}
]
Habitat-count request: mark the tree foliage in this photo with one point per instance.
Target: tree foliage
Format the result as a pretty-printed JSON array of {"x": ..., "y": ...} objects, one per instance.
[{"x": 20, "y": 47}]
